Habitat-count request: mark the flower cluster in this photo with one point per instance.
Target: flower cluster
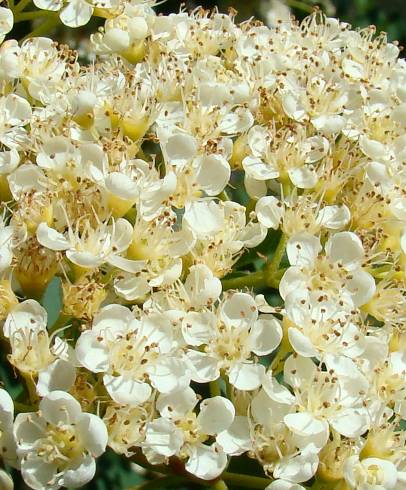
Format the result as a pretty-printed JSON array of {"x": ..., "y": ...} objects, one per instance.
[{"x": 222, "y": 210}]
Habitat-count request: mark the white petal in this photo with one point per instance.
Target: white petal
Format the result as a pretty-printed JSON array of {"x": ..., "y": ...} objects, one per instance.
[
  {"x": 353, "y": 69},
  {"x": 27, "y": 315},
  {"x": 265, "y": 336},
  {"x": 299, "y": 468},
  {"x": 91, "y": 353},
  {"x": 77, "y": 13},
  {"x": 303, "y": 177},
  {"x": 127, "y": 265},
  {"x": 284, "y": 485},
  {"x": 59, "y": 406},
  {"x": 53, "y": 5},
  {"x": 121, "y": 185},
  {"x": 18, "y": 109},
  {"x": 269, "y": 211},
  {"x": 301, "y": 344},
  {"x": 80, "y": 474},
  {"x": 293, "y": 107},
  {"x": 216, "y": 414},
  {"x": 206, "y": 462},
  {"x": 169, "y": 374},
  {"x": 329, "y": 124},
  {"x": 27, "y": 429},
  {"x": 373, "y": 149},
  {"x": 198, "y": 327},
  {"x": 25, "y": 178},
  {"x": 298, "y": 370},
  {"x": 293, "y": 280},
  {"x": 259, "y": 169},
  {"x": 122, "y": 235},
  {"x": 302, "y": 249},
  {"x": 201, "y": 286},
  {"x": 258, "y": 140},
  {"x": 84, "y": 259},
  {"x": 255, "y": 188},
  {"x": 307, "y": 425},
  {"x": 131, "y": 287},
  {"x": 114, "y": 319},
  {"x": 6, "y": 21},
  {"x": 213, "y": 173},
  {"x": 316, "y": 148},
  {"x": 276, "y": 391},
  {"x": 93, "y": 433},
  {"x": 37, "y": 474},
  {"x": 60, "y": 375},
  {"x": 253, "y": 234},
  {"x": 180, "y": 148},
  {"x": 176, "y": 404},
  {"x": 239, "y": 310},
  {"x": 246, "y": 376},
  {"x": 203, "y": 367},
  {"x": 9, "y": 161},
  {"x": 345, "y": 247},
  {"x": 350, "y": 422},
  {"x": 6, "y": 408},
  {"x": 50, "y": 238},
  {"x": 362, "y": 287},
  {"x": 163, "y": 437},
  {"x": 236, "y": 122},
  {"x": 334, "y": 217},
  {"x": 236, "y": 439},
  {"x": 204, "y": 218},
  {"x": 127, "y": 391}
]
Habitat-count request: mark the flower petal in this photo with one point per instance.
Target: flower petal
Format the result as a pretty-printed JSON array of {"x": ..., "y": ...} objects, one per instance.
[{"x": 216, "y": 414}]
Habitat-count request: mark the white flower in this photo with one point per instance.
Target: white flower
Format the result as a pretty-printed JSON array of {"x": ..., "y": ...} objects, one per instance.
[
  {"x": 285, "y": 451},
  {"x": 32, "y": 351},
  {"x": 7, "y": 442},
  {"x": 335, "y": 279},
  {"x": 15, "y": 114},
  {"x": 371, "y": 474},
  {"x": 6, "y": 22},
  {"x": 181, "y": 432},
  {"x": 336, "y": 397},
  {"x": 222, "y": 231},
  {"x": 90, "y": 248},
  {"x": 57, "y": 446},
  {"x": 230, "y": 341},
  {"x": 133, "y": 354},
  {"x": 6, "y": 252},
  {"x": 316, "y": 329}
]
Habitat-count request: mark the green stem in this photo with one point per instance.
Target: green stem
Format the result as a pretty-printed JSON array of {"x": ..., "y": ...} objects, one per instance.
[
  {"x": 223, "y": 196},
  {"x": 220, "y": 485},
  {"x": 142, "y": 461},
  {"x": 21, "y": 6},
  {"x": 260, "y": 279},
  {"x": 31, "y": 388},
  {"x": 163, "y": 482},
  {"x": 253, "y": 280},
  {"x": 272, "y": 268},
  {"x": 229, "y": 388},
  {"x": 297, "y": 4},
  {"x": 44, "y": 28},
  {"x": 214, "y": 387},
  {"x": 23, "y": 407},
  {"x": 246, "y": 481},
  {"x": 37, "y": 14}
]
